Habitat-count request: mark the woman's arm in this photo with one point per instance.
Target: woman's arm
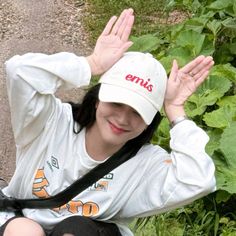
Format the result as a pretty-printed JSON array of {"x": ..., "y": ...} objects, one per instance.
[
  {"x": 187, "y": 173},
  {"x": 33, "y": 78},
  {"x": 168, "y": 181}
]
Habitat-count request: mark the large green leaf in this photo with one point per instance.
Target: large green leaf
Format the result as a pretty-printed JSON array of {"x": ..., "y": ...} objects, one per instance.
[
  {"x": 207, "y": 95},
  {"x": 188, "y": 38},
  {"x": 167, "y": 61},
  {"x": 220, "y": 4},
  {"x": 226, "y": 173},
  {"x": 208, "y": 47},
  {"x": 227, "y": 101},
  {"x": 234, "y": 8},
  {"x": 217, "y": 83},
  {"x": 145, "y": 43},
  {"x": 230, "y": 25},
  {"x": 162, "y": 134},
  {"x": 214, "y": 141},
  {"x": 221, "y": 117},
  {"x": 223, "y": 54},
  {"x": 232, "y": 48},
  {"x": 197, "y": 24},
  {"x": 198, "y": 102},
  {"x": 181, "y": 52},
  {"x": 226, "y": 71},
  {"x": 214, "y": 26}
]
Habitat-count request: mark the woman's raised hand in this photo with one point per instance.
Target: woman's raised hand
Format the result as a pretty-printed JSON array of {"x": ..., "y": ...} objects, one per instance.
[
  {"x": 112, "y": 43},
  {"x": 182, "y": 83}
]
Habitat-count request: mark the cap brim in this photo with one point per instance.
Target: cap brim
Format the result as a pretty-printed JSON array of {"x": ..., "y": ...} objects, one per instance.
[{"x": 111, "y": 93}]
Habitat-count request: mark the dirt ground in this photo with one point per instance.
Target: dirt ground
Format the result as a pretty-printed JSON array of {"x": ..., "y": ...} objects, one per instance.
[{"x": 46, "y": 26}]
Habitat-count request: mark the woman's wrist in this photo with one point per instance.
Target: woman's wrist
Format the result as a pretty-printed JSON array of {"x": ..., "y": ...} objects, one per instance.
[
  {"x": 178, "y": 120},
  {"x": 95, "y": 69},
  {"x": 174, "y": 111}
]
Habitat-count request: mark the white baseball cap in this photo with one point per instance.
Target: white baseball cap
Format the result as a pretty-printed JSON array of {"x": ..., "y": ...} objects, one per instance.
[{"x": 137, "y": 80}]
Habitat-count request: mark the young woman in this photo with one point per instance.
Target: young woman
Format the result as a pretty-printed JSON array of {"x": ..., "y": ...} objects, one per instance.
[{"x": 59, "y": 142}]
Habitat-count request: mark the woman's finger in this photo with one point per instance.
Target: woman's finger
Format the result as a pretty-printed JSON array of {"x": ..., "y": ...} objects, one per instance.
[
  {"x": 126, "y": 25},
  {"x": 202, "y": 68},
  {"x": 198, "y": 66},
  {"x": 200, "y": 73},
  {"x": 174, "y": 71},
  {"x": 191, "y": 65},
  {"x": 124, "y": 36},
  {"x": 202, "y": 78},
  {"x": 205, "y": 65},
  {"x": 119, "y": 22},
  {"x": 109, "y": 26}
]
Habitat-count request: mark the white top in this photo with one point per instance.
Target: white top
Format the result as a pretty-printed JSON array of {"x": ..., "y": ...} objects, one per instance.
[{"x": 50, "y": 156}]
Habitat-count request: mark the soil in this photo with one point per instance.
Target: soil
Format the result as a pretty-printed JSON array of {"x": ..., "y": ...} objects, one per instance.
[{"x": 46, "y": 26}]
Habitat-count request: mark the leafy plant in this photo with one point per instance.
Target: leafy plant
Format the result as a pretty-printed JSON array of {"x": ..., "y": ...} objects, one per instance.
[{"x": 210, "y": 31}]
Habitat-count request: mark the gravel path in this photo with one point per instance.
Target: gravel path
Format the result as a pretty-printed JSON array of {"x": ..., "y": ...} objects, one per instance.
[{"x": 46, "y": 26}]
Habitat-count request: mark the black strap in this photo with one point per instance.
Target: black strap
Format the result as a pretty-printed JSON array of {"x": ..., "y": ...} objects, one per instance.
[{"x": 124, "y": 154}]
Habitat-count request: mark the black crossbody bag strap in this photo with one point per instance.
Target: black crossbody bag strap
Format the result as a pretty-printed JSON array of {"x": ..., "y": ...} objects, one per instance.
[{"x": 14, "y": 204}]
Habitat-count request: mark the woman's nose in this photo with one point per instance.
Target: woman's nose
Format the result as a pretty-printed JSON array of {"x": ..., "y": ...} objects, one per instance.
[{"x": 124, "y": 115}]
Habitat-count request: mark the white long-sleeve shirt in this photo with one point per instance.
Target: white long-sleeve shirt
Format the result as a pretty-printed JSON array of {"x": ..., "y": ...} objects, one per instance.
[{"x": 50, "y": 156}]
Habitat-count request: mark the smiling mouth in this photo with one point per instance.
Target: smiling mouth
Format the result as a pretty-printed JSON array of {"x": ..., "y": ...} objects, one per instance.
[{"x": 116, "y": 129}]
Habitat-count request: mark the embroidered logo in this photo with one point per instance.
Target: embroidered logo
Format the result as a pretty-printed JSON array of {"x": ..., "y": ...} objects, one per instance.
[
  {"x": 143, "y": 83},
  {"x": 54, "y": 162}
]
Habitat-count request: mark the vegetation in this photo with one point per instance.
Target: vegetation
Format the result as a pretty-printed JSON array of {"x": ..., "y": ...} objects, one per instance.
[
  {"x": 150, "y": 15},
  {"x": 209, "y": 28}
]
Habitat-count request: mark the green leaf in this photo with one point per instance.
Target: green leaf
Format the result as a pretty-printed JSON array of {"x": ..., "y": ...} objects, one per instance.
[
  {"x": 214, "y": 141},
  {"x": 229, "y": 23},
  {"x": 220, "y": 4},
  {"x": 207, "y": 95},
  {"x": 197, "y": 103},
  {"x": 188, "y": 38},
  {"x": 175, "y": 30},
  {"x": 216, "y": 83},
  {"x": 232, "y": 48},
  {"x": 208, "y": 46},
  {"x": 227, "y": 101},
  {"x": 196, "y": 24},
  {"x": 181, "y": 52},
  {"x": 145, "y": 43},
  {"x": 167, "y": 61},
  {"x": 234, "y": 7},
  {"x": 230, "y": 26},
  {"x": 222, "y": 196},
  {"x": 226, "y": 174},
  {"x": 223, "y": 55},
  {"x": 214, "y": 26},
  {"x": 226, "y": 71},
  {"x": 221, "y": 117},
  {"x": 162, "y": 134}
]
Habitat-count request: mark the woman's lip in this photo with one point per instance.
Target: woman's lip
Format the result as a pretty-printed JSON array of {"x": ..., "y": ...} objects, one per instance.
[{"x": 116, "y": 129}]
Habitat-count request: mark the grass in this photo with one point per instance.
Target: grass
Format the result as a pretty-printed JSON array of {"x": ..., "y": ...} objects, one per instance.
[{"x": 150, "y": 15}]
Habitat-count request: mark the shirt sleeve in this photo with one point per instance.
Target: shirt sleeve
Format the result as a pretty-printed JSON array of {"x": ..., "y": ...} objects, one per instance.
[
  {"x": 32, "y": 80},
  {"x": 176, "y": 179}
]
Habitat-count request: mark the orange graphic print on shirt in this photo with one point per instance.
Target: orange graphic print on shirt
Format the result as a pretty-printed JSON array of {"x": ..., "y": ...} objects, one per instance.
[
  {"x": 85, "y": 209},
  {"x": 39, "y": 189},
  {"x": 39, "y": 184}
]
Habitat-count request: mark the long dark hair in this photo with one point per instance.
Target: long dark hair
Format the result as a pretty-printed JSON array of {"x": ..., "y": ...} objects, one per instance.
[{"x": 84, "y": 114}]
